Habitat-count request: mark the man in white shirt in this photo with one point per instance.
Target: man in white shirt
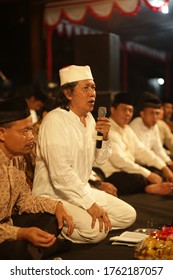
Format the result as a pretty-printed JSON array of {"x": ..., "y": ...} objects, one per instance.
[
  {"x": 146, "y": 127},
  {"x": 36, "y": 100},
  {"x": 65, "y": 156},
  {"x": 166, "y": 135},
  {"x": 167, "y": 112},
  {"x": 124, "y": 167}
]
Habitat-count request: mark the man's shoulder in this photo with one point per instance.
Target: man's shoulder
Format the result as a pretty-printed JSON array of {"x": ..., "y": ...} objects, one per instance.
[
  {"x": 55, "y": 116},
  {"x": 135, "y": 121}
]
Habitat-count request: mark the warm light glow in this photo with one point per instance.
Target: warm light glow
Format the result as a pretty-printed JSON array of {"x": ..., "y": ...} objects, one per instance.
[
  {"x": 160, "y": 81},
  {"x": 52, "y": 85}
]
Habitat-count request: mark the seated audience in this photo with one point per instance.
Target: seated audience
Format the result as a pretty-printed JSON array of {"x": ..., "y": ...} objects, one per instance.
[
  {"x": 124, "y": 167},
  {"x": 29, "y": 159},
  {"x": 166, "y": 135},
  {"x": 146, "y": 129},
  {"x": 99, "y": 183},
  {"x": 29, "y": 225},
  {"x": 167, "y": 112},
  {"x": 36, "y": 99},
  {"x": 65, "y": 156}
]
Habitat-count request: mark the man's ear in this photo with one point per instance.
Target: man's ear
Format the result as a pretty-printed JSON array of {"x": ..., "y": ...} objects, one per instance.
[
  {"x": 141, "y": 113},
  {"x": 44, "y": 114},
  {"x": 112, "y": 110},
  {"x": 2, "y": 131},
  {"x": 32, "y": 98},
  {"x": 68, "y": 94}
]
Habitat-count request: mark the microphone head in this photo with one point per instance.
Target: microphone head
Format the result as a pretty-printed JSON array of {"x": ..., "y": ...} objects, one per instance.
[{"x": 102, "y": 112}]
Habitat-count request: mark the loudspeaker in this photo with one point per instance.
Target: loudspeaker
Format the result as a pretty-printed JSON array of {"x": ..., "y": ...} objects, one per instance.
[{"x": 102, "y": 53}]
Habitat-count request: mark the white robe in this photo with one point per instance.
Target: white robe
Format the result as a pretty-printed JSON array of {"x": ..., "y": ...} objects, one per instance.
[{"x": 65, "y": 156}]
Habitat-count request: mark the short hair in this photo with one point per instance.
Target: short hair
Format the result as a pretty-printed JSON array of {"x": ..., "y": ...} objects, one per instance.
[{"x": 38, "y": 93}]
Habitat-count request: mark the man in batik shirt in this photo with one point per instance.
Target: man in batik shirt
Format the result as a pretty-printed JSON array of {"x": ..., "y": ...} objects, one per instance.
[{"x": 29, "y": 225}]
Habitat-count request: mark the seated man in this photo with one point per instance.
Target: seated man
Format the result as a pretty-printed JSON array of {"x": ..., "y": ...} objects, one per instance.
[
  {"x": 146, "y": 129},
  {"x": 65, "y": 156},
  {"x": 123, "y": 168},
  {"x": 29, "y": 225},
  {"x": 166, "y": 135},
  {"x": 36, "y": 99},
  {"x": 98, "y": 182},
  {"x": 29, "y": 159},
  {"x": 168, "y": 112}
]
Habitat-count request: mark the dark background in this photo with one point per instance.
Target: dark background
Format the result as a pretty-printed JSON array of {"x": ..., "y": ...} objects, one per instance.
[{"x": 23, "y": 49}]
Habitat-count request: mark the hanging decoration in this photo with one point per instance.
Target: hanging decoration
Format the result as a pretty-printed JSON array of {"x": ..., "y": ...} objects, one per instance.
[
  {"x": 76, "y": 11},
  {"x": 70, "y": 29},
  {"x": 68, "y": 16}
]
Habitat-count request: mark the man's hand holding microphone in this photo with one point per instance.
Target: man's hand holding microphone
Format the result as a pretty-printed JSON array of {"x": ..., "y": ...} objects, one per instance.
[{"x": 102, "y": 127}]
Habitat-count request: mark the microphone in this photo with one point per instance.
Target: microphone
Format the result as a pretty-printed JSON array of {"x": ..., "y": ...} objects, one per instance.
[{"x": 101, "y": 113}]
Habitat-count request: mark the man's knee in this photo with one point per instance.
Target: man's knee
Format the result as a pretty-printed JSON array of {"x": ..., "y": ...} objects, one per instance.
[
  {"x": 85, "y": 234},
  {"x": 97, "y": 235},
  {"x": 130, "y": 216}
]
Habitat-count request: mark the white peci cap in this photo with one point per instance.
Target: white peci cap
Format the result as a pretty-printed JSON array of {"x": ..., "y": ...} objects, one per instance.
[{"x": 74, "y": 73}]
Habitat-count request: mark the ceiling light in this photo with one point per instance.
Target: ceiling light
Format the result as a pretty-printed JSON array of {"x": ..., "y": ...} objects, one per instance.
[
  {"x": 161, "y": 4},
  {"x": 160, "y": 81},
  {"x": 52, "y": 85},
  {"x": 165, "y": 9}
]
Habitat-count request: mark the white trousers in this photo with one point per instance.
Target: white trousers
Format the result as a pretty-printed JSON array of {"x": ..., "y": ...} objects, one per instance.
[{"x": 121, "y": 216}]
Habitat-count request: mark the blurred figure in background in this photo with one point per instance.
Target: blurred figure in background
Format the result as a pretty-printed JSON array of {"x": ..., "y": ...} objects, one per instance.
[
  {"x": 5, "y": 86},
  {"x": 146, "y": 129},
  {"x": 166, "y": 135},
  {"x": 167, "y": 112},
  {"x": 30, "y": 158},
  {"x": 36, "y": 100},
  {"x": 124, "y": 167}
]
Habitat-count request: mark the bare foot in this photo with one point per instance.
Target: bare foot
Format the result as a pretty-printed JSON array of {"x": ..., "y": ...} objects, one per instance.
[{"x": 162, "y": 188}]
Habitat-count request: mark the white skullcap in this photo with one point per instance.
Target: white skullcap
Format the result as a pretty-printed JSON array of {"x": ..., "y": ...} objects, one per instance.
[{"x": 74, "y": 73}]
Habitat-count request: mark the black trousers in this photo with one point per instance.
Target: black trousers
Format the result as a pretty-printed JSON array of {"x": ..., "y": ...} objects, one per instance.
[
  {"x": 21, "y": 249},
  {"x": 128, "y": 183}
]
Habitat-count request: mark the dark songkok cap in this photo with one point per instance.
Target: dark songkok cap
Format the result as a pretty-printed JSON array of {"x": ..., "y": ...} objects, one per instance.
[
  {"x": 149, "y": 99},
  {"x": 13, "y": 109},
  {"x": 122, "y": 97},
  {"x": 167, "y": 100}
]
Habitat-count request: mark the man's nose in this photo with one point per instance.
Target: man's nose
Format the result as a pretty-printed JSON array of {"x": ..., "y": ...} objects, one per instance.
[{"x": 30, "y": 134}]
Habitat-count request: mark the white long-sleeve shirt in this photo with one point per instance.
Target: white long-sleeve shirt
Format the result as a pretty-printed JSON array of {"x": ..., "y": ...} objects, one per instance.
[
  {"x": 166, "y": 135},
  {"x": 150, "y": 138},
  {"x": 127, "y": 152},
  {"x": 65, "y": 156}
]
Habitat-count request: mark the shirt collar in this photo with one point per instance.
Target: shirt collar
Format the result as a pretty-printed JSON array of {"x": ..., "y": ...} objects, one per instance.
[
  {"x": 6, "y": 160},
  {"x": 117, "y": 127}
]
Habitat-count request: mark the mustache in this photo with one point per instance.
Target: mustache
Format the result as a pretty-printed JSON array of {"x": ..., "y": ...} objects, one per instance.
[{"x": 30, "y": 145}]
